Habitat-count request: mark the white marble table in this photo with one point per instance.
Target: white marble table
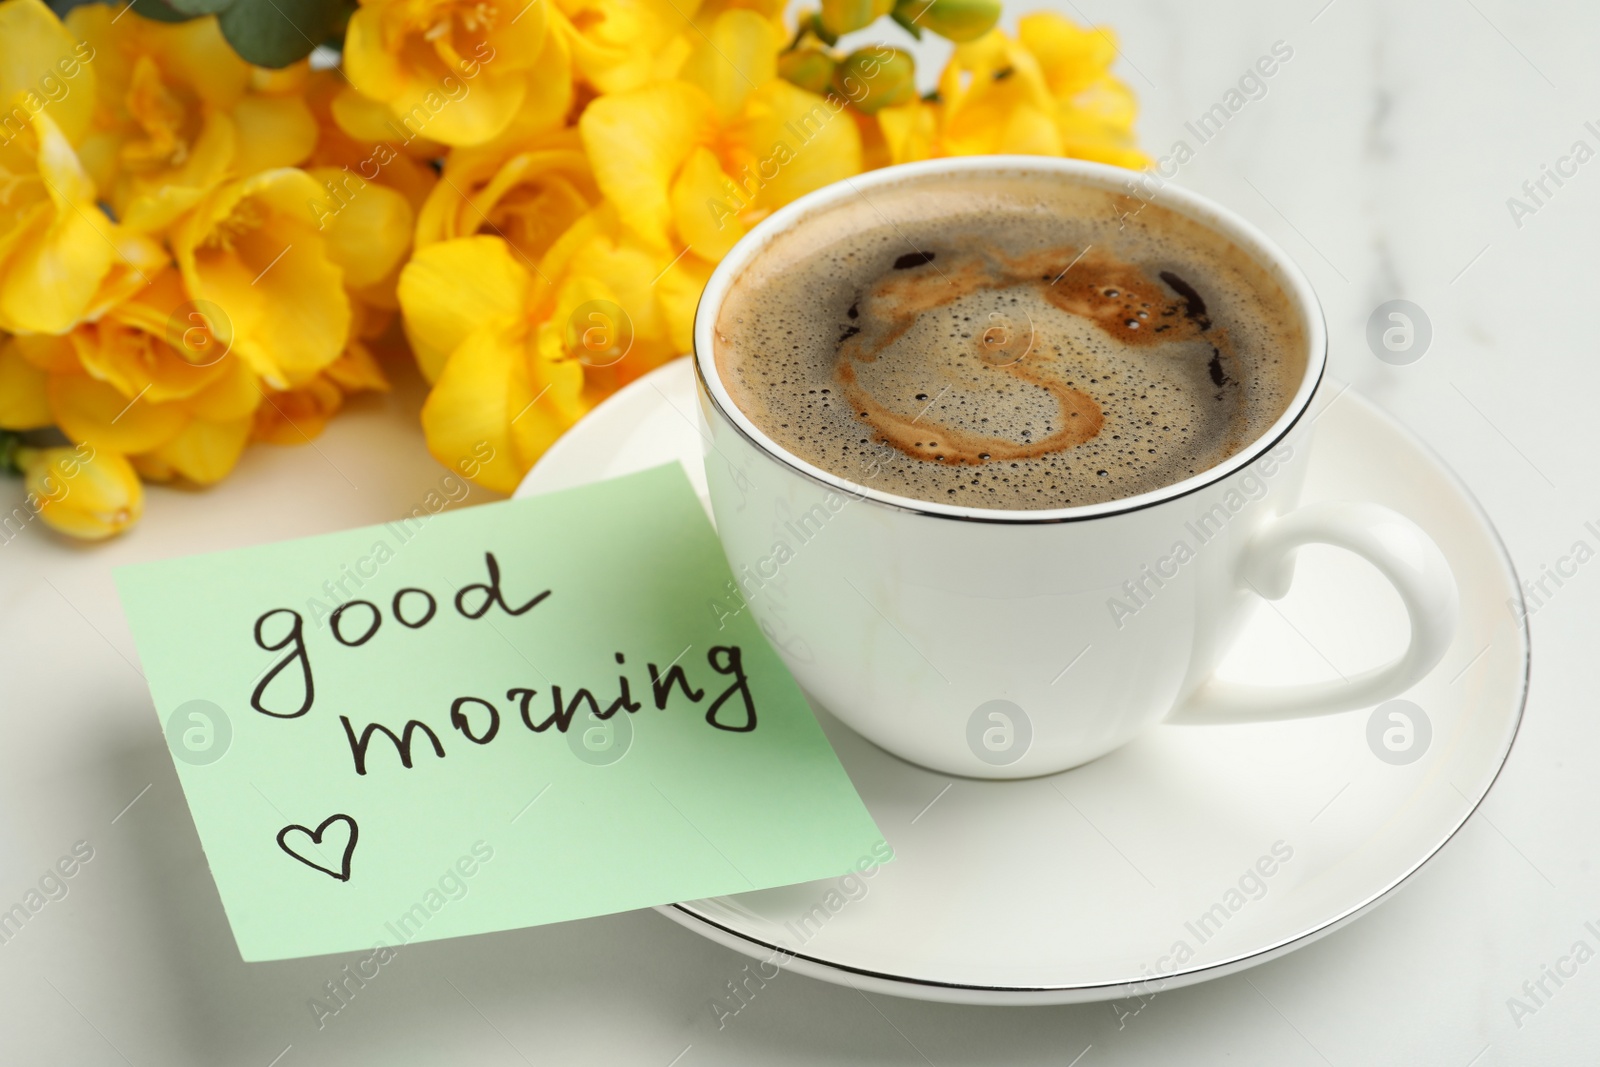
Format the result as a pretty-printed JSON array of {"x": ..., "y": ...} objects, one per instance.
[{"x": 1382, "y": 156}]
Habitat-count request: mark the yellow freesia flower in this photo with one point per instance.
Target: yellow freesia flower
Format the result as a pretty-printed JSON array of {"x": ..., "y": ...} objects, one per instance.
[
  {"x": 1049, "y": 92},
  {"x": 150, "y": 346},
  {"x": 528, "y": 190},
  {"x": 696, "y": 161},
  {"x": 708, "y": 11},
  {"x": 599, "y": 261},
  {"x": 369, "y": 235},
  {"x": 618, "y": 45},
  {"x": 61, "y": 259},
  {"x": 196, "y": 253},
  {"x": 42, "y": 68},
  {"x": 178, "y": 112},
  {"x": 24, "y": 400},
  {"x": 366, "y": 227},
  {"x": 358, "y": 369},
  {"x": 521, "y": 353},
  {"x": 362, "y": 137},
  {"x": 258, "y": 249},
  {"x": 86, "y": 493},
  {"x": 905, "y": 133},
  {"x": 147, "y": 380},
  {"x": 456, "y": 71},
  {"x": 295, "y": 416}
]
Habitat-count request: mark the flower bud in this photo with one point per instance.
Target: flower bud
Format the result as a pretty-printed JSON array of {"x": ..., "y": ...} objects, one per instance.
[
  {"x": 842, "y": 16},
  {"x": 876, "y": 77},
  {"x": 954, "y": 20},
  {"x": 809, "y": 67},
  {"x": 812, "y": 20},
  {"x": 81, "y": 492}
]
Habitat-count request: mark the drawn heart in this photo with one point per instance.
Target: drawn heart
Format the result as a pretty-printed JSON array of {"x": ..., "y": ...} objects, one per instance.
[{"x": 343, "y": 873}]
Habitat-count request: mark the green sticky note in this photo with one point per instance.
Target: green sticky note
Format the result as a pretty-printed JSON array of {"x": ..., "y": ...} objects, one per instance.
[{"x": 514, "y": 714}]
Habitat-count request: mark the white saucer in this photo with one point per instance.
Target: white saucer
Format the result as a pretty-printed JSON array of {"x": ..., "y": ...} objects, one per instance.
[{"x": 1084, "y": 885}]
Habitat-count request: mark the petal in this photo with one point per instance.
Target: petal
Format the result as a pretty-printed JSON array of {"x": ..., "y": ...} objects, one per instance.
[
  {"x": 32, "y": 44},
  {"x": 516, "y": 41},
  {"x": 620, "y": 45},
  {"x": 56, "y": 265},
  {"x": 680, "y": 288},
  {"x": 449, "y": 289},
  {"x": 204, "y": 451},
  {"x": 153, "y": 307},
  {"x": 910, "y": 130},
  {"x": 92, "y": 411},
  {"x": 601, "y": 220},
  {"x": 441, "y": 106},
  {"x": 233, "y": 395},
  {"x": 367, "y": 230},
  {"x": 560, "y": 396},
  {"x": 549, "y": 96},
  {"x": 482, "y": 388},
  {"x": 739, "y": 52},
  {"x": 529, "y": 198},
  {"x": 51, "y": 282},
  {"x": 285, "y": 81},
  {"x": 359, "y": 115},
  {"x": 1031, "y": 132},
  {"x": 984, "y": 84},
  {"x": 357, "y": 370},
  {"x": 51, "y": 354},
  {"x": 628, "y": 270},
  {"x": 371, "y": 321},
  {"x": 611, "y": 266},
  {"x": 1070, "y": 57},
  {"x": 151, "y": 469},
  {"x": 1103, "y": 151},
  {"x": 984, "y": 118},
  {"x": 305, "y": 313},
  {"x": 793, "y": 142},
  {"x": 152, "y": 203},
  {"x": 149, "y": 345},
  {"x": 373, "y": 69},
  {"x": 194, "y": 54},
  {"x": 1104, "y": 133},
  {"x": 637, "y": 141},
  {"x": 705, "y": 212},
  {"x": 138, "y": 260},
  {"x": 1106, "y": 101},
  {"x": 137, "y": 364},
  {"x": 296, "y": 416},
  {"x": 274, "y": 131},
  {"x": 252, "y": 249},
  {"x": 23, "y": 403}
]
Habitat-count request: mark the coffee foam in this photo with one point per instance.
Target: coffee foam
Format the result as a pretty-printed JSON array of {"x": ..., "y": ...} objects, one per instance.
[{"x": 1013, "y": 342}]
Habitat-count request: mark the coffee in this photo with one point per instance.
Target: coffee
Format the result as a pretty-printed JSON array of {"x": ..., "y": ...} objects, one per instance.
[{"x": 1010, "y": 342}]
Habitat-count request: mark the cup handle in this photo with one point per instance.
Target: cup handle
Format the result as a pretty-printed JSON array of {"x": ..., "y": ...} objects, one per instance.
[{"x": 1389, "y": 541}]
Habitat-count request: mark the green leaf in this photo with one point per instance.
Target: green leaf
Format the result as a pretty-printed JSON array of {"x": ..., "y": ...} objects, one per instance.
[
  {"x": 160, "y": 11},
  {"x": 9, "y": 444},
  {"x": 275, "y": 33},
  {"x": 200, "y": 7}
]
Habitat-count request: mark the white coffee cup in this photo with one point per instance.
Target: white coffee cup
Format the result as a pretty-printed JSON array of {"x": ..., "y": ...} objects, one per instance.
[{"x": 987, "y": 643}]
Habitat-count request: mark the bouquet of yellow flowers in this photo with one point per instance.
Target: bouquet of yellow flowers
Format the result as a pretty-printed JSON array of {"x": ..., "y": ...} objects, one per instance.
[{"x": 218, "y": 220}]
